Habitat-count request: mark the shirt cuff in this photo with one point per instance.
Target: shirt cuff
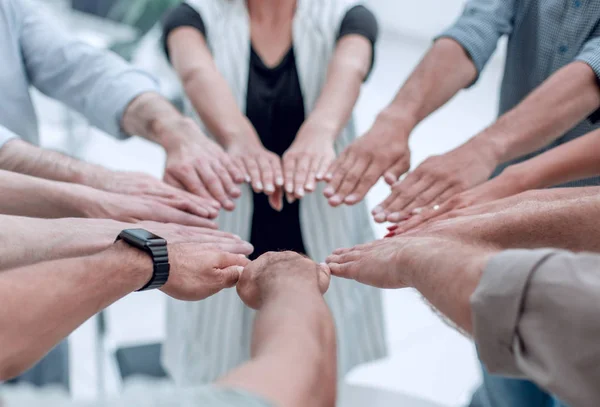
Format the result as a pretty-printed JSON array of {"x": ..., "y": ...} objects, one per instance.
[
  {"x": 6, "y": 135},
  {"x": 497, "y": 305},
  {"x": 590, "y": 54},
  {"x": 123, "y": 91}
]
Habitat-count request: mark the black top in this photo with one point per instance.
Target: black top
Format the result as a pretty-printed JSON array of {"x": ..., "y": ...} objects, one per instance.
[{"x": 275, "y": 107}]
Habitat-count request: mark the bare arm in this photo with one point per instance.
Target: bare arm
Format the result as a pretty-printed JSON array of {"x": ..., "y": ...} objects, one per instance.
[
  {"x": 311, "y": 154},
  {"x": 384, "y": 151},
  {"x": 44, "y": 320},
  {"x": 293, "y": 336}
]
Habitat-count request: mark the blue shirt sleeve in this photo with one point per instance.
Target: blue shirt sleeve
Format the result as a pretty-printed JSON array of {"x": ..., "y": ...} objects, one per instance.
[
  {"x": 590, "y": 54},
  {"x": 479, "y": 28},
  {"x": 97, "y": 83}
]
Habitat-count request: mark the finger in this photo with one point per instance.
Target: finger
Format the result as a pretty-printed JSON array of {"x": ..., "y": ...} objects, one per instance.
[
  {"x": 347, "y": 270},
  {"x": 335, "y": 166},
  {"x": 277, "y": 172},
  {"x": 226, "y": 180},
  {"x": 324, "y": 277},
  {"x": 236, "y": 172},
  {"x": 254, "y": 172},
  {"x": 231, "y": 275},
  {"x": 225, "y": 260},
  {"x": 338, "y": 176},
  {"x": 392, "y": 175},
  {"x": 170, "y": 180},
  {"x": 267, "y": 176},
  {"x": 187, "y": 206},
  {"x": 214, "y": 185},
  {"x": 311, "y": 178},
  {"x": 276, "y": 200},
  {"x": 429, "y": 197},
  {"x": 237, "y": 248},
  {"x": 166, "y": 214},
  {"x": 381, "y": 211},
  {"x": 289, "y": 171},
  {"x": 324, "y": 165},
  {"x": 350, "y": 182},
  {"x": 406, "y": 195},
  {"x": 301, "y": 176},
  {"x": 448, "y": 194},
  {"x": 366, "y": 182},
  {"x": 191, "y": 182}
]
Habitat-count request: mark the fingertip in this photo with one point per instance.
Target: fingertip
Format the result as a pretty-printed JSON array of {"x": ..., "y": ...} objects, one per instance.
[
  {"x": 380, "y": 217},
  {"x": 329, "y": 192},
  {"x": 235, "y": 192},
  {"x": 352, "y": 199},
  {"x": 300, "y": 192},
  {"x": 395, "y": 217},
  {"x": 310, "y": 187},
  {"x": 328, "y": 176},
  {"x": 390, "y": 178},
  {"x": 279, "y": 181},
  {"x": 228, "y": 205},
  {"x": 335, "y": 200}
]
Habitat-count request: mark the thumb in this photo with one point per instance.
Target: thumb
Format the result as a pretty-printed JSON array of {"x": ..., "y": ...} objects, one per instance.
[
  {"x": 231, "y": 275},
  {"x": 324, "y": 277},
  {"x": 226, "y": 260},
  {"x": 393, "y": 174}
]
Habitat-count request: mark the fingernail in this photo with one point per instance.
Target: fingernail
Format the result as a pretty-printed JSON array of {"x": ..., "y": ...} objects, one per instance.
[
  {"x": 300, "y": 192},
  {"x": 239, "y": 269},
  {"x": 279, "y": 181},
  {"x": 259, "y": 186},
  {"x": 269, "y": 188},
  {"x": 229, "y": 205},
  {"x": 247, "y": 178},
  {"x": 391, "y": 234},
  {"x": 335, "y": 200},
  {"x": 329, "y": 175},
  {"x": 289, "y": 188},
  {"x": 290, "y": 199},
  {"x": 392, "y": 228},
  {"x": 380, "y": 217},
  {"x": 235, "y": 191},
  {"x": 310, "y": 186},
  {"x": 394, "y": 217},
  {"x": 417, "y": 211},
  {"x": 351, "y": 199},
  {"x": 376, "y": 210},
  {"x": 329, "y": 191},
  {"x": 319, "y": 177}
]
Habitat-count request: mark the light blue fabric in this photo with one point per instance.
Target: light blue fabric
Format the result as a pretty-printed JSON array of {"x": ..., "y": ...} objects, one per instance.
[{"x": 36, "y": 52}]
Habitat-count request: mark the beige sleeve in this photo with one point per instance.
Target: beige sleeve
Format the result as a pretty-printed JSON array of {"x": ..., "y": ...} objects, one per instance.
[{"x": 536, "y": 315}]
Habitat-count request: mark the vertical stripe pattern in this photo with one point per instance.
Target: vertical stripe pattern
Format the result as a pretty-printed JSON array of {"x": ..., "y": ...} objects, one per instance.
[{"x": 207, "y": 339}]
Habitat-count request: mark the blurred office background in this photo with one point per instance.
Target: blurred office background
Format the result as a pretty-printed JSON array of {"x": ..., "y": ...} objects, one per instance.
[{"x": 427, "y": 359}]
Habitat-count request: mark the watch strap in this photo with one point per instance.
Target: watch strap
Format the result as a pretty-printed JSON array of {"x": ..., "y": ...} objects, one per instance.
[{"x": 160, "y": 261}]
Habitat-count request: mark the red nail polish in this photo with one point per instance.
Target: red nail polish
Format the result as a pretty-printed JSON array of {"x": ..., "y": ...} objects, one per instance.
[
  {"x": 392, "y": 228},
  {"x": 391, "y": 234}
]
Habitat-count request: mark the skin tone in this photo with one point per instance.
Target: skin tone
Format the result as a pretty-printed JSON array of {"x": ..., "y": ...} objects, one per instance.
[
  {"x": 194, "y": 163},
  {"x": 535, "y": 219},
  {"x": 571, "y": 95},
  {"x": 307, "y": 160},
  {"x": 26, "y": 241},
  {"x": 26, "y": 195},
  {"x": 383, "y": 150},
  {"x": 44, "y": 293},
  {"x": 445, "y": 271},
  {"x": 293, "y": 336},
  {"x": 572, "y": 161}
]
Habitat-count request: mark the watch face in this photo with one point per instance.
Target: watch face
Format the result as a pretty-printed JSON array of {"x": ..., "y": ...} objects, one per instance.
[{"x": 143, "y": 237}]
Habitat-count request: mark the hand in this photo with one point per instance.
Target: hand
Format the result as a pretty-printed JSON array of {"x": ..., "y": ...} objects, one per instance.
[
  {"x": 263, "y": 167},
  {"x": 198, "y": 271},
  {"x": 209, "y": 238},
  {"x": 395, "y": 263},
  {"x": 273, "y": 273},
  {"x": 307, "y": 160},
  {"x": 437, "y": 179},
  {"x": 201, "y": 167},
  {"x": 383, "y": 151},
  {"x": 500, "y": 187},
  {"x": 144, "y": 185},
  {"x": 132, "y": 209}
]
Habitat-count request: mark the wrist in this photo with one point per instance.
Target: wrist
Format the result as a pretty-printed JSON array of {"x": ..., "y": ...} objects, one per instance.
[
  {"x": 289, "y": 287},
  {"x": 402, "y": 121},
  {"x": 239, "y": 134},
  {"x": 130, "y": 263}
]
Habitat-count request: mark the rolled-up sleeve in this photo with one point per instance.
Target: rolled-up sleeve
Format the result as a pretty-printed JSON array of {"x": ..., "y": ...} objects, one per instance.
[
  {"x": 479, "y": 28},
  {"x": 535, "y": 315},
  {"x": 6, "y": 135},
  {"x": 97, "y": 83},
  {"x": 590, "y": 54}
]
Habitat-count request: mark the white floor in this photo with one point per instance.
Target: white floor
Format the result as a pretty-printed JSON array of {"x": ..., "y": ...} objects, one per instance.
[{"x": 428, "y": 359}]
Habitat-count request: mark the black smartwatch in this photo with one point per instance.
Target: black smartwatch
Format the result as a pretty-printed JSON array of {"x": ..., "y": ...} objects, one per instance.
[{"x": 156, "y": 247}]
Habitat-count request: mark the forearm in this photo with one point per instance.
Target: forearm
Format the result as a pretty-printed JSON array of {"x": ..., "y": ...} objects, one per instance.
[
  {"x": 26, "y": 241},
  {"x": 25, "y": 195},
  {"x": 432, "y": 84},
  {"x": 565, "y": 99},
  {"x": 448, "y": 285},
  {"x": 347, "y": 71},
  {"x": 206, "y": 88},
  {"x": 54, "y": 298},
  {"x": 22, "y": 157},
  {"x": 576, "y": 160},
  {"x": 294, "y": 337}
]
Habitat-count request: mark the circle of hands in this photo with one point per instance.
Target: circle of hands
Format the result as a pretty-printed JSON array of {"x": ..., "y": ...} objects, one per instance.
[{"x": 201, "y": 178}]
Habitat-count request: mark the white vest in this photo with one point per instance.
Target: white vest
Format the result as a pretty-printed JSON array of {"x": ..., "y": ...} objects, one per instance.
[{"x": 208, "y": 338}]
